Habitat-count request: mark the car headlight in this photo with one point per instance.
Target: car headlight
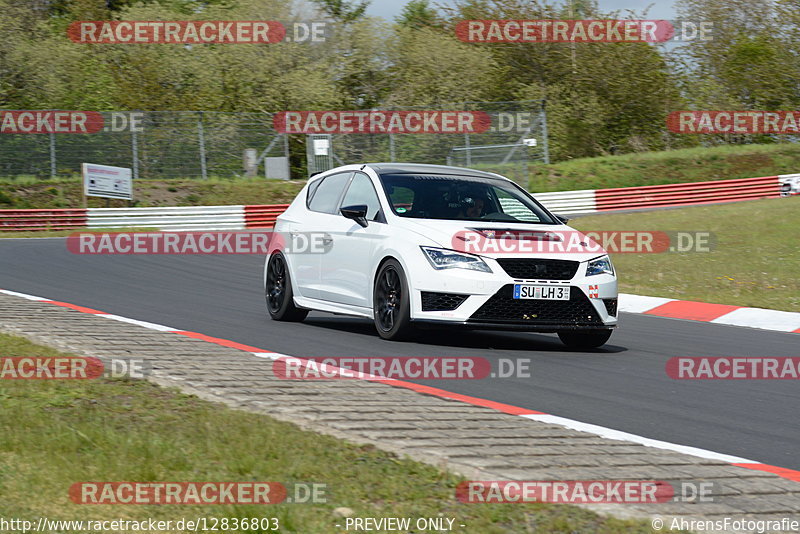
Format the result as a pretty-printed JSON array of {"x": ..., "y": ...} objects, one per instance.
[
  {"x": 601, "y": 265},
  {"x": 441, "y": 258}
]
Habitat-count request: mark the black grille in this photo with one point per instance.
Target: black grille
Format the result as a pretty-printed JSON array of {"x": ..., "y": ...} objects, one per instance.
[
  {"x": 441, "y": 301},
  {"x": 539, "y": 269},
  {"x": 502, "y": 308},
  {"x": 611, "y": 306}
]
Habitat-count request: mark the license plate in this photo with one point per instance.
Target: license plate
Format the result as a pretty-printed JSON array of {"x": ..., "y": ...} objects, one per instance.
[{"x": 523, "y": 291}]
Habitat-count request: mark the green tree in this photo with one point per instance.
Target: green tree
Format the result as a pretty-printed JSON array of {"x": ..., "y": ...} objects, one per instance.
[
  {"x": 418, "y": 14},
  {"x": 429, "y": 68},
  {"x": 602, "y": 98},
  {"x": 752, "y": 57},
  {"x": 343, "y": 10}
]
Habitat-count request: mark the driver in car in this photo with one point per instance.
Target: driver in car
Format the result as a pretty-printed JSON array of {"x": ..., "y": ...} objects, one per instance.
[{"x": 474, "y": 208}]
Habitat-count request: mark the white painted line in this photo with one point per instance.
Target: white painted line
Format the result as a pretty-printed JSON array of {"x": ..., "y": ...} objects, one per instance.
[
  {"x": 639, "y": 303},
  {"x": 647, "y": 442},
  {"x": 25, "y": 296},
  {"x": 151, "y": 326},
  {"x": 781, "y": 321}
]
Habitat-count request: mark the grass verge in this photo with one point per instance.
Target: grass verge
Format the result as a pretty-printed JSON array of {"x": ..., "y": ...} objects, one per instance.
[
  {"x": 754, "y": 262},
  {"x": 56, "y": 433}
]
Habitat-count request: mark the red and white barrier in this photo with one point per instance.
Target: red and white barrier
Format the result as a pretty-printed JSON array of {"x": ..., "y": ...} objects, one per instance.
[
  {"x": 37, "y": 220},
  {"x": 573, "y": 202},
  {"x": 170, "y": 218},
  {"x": 263, "y": 216},
  {"x": 661, "y": 196},
  {"x": 657, "y": 196}
]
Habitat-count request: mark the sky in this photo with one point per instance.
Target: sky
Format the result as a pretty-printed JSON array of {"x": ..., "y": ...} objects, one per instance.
[{"x": 661, "y": 9}]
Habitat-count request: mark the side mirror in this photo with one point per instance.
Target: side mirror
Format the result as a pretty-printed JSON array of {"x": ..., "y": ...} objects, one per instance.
[
  {"x": 358, "y": 213},
  {"x": 563, "y": 219}
]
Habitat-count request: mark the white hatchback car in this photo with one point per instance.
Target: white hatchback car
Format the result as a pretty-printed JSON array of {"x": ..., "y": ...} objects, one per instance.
[{"x": 410, "y": 244}]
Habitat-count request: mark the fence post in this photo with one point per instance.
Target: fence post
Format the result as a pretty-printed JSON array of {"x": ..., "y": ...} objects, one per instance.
[
  {"x": 545, "y": 146},
  {"x": 52, "y": 155},
  {"x": 286, "y": 153},
  {"x": 202, "y": 140},
  {"x": 468, "y": 150},
  {"x": 135, "y": 153},
  {"x": 391, "y": 148}
]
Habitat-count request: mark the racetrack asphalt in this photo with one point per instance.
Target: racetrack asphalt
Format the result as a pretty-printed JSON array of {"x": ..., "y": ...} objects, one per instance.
[{"x": 622, "y": 386}]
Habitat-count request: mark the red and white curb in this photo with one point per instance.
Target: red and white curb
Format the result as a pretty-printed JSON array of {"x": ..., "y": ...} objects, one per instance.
[
  {"x": 778, "y": 321},
  {"x": 534, "y": 415}
]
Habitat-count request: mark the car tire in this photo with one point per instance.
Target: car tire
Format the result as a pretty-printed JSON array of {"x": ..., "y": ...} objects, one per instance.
[
  {"x": 576, "y": 339},
  {"x": 391, "y": 302},
  {"x": 278, "y": 291}
]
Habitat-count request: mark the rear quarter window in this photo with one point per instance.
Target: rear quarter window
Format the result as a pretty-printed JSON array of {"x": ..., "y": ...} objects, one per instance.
[{"x": 324, "y": 194}]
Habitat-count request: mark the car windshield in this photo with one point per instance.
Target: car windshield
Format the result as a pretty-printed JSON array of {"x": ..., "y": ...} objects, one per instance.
[{"x": 454, "y": 197}]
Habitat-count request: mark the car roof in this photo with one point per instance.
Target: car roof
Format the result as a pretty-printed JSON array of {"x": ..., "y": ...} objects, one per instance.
[{"x": 422, "y": 168}]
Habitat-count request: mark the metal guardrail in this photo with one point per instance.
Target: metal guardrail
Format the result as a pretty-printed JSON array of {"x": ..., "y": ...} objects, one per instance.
[
  {"x": 42, "y": 219},
  {"x": 168, "y": 218},
  {"x": 575, "y": 202},
  {"x": 172, "y": 218},
  {"x": 263, "y": 216},
  {"x": 687, "y": 194}
]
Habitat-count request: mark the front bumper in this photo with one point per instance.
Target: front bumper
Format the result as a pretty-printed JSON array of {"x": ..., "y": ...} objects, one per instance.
[
  {"x": 481, "y": 300},
  {"x": 477, "y": 325}
]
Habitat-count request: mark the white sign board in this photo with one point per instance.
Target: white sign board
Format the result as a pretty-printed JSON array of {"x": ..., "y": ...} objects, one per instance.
[
  {"x": 321, "y": 147},
  {"x": 106, "y": 181},
  {"x": 790, "y": 184},
  {"x": 531, "y": 141}
]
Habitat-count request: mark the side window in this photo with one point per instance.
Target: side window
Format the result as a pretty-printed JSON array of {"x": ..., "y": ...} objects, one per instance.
[
  {"x": 361, "y": 191},
  {"x": 325, "y": 197},
  {"x": 515, "y": 208}
]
